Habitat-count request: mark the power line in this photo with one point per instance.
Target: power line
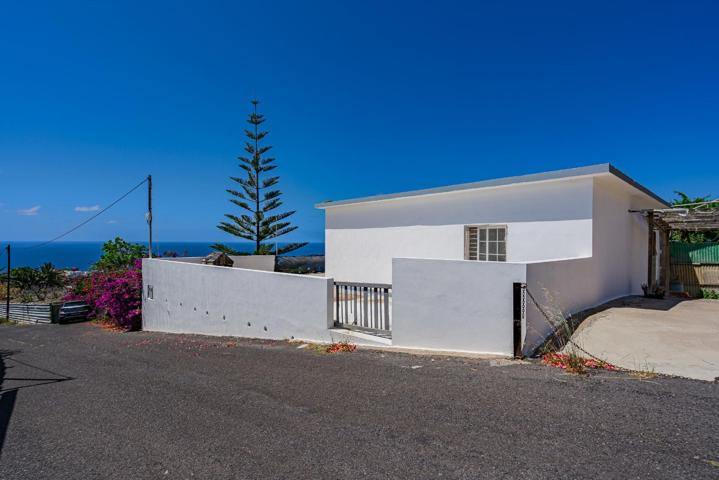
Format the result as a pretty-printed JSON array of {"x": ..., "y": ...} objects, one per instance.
[{"x": 89, "y": 219}]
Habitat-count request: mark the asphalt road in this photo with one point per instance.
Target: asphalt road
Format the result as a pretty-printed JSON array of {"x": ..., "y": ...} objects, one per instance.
[{"x": 79, "y": 402}]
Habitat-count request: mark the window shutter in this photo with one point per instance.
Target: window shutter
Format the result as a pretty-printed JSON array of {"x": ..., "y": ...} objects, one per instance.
[{"x": 470, "y": 243}]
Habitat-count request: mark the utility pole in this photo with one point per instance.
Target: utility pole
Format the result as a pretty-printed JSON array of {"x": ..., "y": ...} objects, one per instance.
[
  {"x": 149, "y": 211},
  {"x": 7, "y": 300}
]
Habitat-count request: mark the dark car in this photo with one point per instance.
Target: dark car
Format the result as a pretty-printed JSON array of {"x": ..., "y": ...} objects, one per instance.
[{"x": 74, "y": 311}]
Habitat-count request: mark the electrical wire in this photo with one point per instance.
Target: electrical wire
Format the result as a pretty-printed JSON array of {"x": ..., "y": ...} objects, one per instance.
[{"x": 89, "y": 219}]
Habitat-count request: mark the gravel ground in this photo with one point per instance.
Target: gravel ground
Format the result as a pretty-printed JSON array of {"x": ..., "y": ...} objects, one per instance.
[{"x": 81, "y": 402}]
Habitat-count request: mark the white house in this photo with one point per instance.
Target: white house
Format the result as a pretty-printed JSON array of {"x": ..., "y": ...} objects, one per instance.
[
  {"x": 567, "y": 232},
  {"x": 574, "y": 213},
  {"x": 451, "y": 269}
]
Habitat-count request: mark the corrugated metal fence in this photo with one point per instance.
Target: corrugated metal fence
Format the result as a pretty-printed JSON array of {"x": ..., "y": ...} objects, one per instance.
[
  {"x": 695, "y": 265},
  {"x": 32, "y": 313},
  {"x": 695, "y": 253}
]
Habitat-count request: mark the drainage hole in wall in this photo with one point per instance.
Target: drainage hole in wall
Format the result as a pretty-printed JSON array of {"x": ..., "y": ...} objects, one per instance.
[
  {"x": 265, "y": 328},
  {"x": 223, "y": 317},
  {"x": 180, "y": 303},
  {"x": 207, "y": 312},
  {"x": 194, "y": 308},
  {"x": 292, "y": 337},
  {"x": 249, "y": 324}
]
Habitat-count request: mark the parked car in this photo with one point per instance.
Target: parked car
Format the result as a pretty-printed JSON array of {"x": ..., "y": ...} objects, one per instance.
[{"x": 74, "y": 311}]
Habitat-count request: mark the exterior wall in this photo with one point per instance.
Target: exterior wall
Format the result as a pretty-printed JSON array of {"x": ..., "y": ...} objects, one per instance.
[
  {"x": 210, "y": 300},
  {"x": 265, "y": 263},
  {"x": 546, "y": 220},
  {"x": 620, "y": 237},
  {"x": 455, "y": 305},
  {"x": 617, "y": 266},
  {"x": 562, "y": 288}
]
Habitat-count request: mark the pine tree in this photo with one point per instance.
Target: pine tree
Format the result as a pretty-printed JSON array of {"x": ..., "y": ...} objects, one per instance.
[{"x": 259, "y": 197}]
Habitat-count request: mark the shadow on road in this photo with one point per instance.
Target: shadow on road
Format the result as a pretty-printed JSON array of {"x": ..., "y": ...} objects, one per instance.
[
  {"x": 7, "y": 400},
  {"x": 8, "y": 394}
]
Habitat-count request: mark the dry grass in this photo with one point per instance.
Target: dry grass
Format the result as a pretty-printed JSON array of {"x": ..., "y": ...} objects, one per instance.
[{"x": 336, "y": 347}]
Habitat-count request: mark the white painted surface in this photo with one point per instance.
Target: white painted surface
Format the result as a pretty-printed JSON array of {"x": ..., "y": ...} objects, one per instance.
[
  {"x": 454, "y": 305},
  {"x": 561, "y": 288},
  {"x": 211, "y": 300},
  {"x": 544, "y": 221},
  {"x": 266, "y": 263},
  {"x": 616, "y": 268}
]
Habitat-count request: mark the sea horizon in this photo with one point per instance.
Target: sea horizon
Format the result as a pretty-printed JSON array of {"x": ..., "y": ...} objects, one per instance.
[{"x": 81, "y": 254}]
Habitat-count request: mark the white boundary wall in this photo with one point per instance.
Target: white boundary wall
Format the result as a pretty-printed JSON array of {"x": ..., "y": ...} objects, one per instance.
[
  {"x": 454, "y": 305},
  {"x": 252, "y": 262},
  {"x": 212, "y": 300},
  {"x": 562, "y": 288}
]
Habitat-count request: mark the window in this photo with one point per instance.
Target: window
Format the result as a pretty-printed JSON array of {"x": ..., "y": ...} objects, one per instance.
[
  {"x": 485, "y": 243},
  {"x": 150, "y": 292}
]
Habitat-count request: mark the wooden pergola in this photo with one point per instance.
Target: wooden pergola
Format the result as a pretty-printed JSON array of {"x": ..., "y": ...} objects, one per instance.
[{"x": 697, "y": 218}]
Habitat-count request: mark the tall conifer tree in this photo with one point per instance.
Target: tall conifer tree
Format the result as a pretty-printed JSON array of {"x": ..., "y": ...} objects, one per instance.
[{"x": 258, "y": 197}]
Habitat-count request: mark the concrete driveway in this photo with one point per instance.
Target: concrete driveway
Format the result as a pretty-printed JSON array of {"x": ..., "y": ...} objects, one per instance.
[{"x": 670, "y": 336}]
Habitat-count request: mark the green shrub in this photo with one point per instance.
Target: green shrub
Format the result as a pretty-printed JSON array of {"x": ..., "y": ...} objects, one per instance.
[
  {"x": 119, "y": 254},
  {"x": 710, "y": 294}
]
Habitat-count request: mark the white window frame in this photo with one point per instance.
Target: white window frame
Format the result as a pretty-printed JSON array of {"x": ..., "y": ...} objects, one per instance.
[{"x": 477, "y": 254}]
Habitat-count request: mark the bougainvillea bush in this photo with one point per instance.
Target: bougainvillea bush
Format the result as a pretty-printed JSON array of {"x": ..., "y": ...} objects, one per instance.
[{"x": 114, "y": 296}]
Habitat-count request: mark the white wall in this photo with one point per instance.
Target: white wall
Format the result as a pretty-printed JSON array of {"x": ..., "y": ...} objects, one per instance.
[
  {"x": 265, "y": 263},
  {"x": 545, "y": 220},
  {"x": 454, "y": 305},
  {"x": 211, "y": 300},
  {"x": 617, "y": 266},
  {"x": 620, "y": 238},
  {"x": 562, "y": 288}
]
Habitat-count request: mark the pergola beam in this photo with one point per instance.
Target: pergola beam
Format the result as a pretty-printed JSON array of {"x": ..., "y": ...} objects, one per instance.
[
  {"x": 665, "y": 221},
  {"x": 683, "y": 219}
]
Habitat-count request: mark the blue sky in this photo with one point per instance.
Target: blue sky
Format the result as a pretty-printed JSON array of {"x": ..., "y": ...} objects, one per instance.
[{"x": 360, "y": 98}]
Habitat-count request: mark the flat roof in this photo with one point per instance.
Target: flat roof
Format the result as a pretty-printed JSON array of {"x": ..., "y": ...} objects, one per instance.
[{"x": 567, "y": 173}]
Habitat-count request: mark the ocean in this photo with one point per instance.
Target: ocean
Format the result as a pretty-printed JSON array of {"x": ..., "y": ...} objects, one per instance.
[{"x": 82, "y": 255}]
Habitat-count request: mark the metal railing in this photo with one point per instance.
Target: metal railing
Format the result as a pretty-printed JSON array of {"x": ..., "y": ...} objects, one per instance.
[{"x": 363, "y": 305}]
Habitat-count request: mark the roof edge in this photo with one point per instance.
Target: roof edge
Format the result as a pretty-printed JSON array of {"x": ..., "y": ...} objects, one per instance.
[
  {"x": 626, "y": 178},
  {"x": 567, "y": 173}
]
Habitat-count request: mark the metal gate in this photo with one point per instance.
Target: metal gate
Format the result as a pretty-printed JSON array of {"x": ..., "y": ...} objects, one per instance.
[{"x": 363, "y": 306}]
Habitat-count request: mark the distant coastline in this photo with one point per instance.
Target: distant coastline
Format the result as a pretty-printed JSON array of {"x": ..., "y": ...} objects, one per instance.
[{"x": 82, "y": 255}]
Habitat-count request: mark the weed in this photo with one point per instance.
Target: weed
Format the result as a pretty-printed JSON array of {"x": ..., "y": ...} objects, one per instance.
[
  {"x": 644, "y": 372},
  {"x": 573, "y": 363},
  {"x": 335, "y": 347},
  {"x": 338, "y": 347}
]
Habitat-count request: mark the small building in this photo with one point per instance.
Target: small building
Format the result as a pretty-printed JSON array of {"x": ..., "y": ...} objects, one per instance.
[
  {"x": 574, "y": 213},
  {"x": 488, "y": 267},
  {"x": 219, "y": 259},
  {"x": 568, "y": 233}
]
